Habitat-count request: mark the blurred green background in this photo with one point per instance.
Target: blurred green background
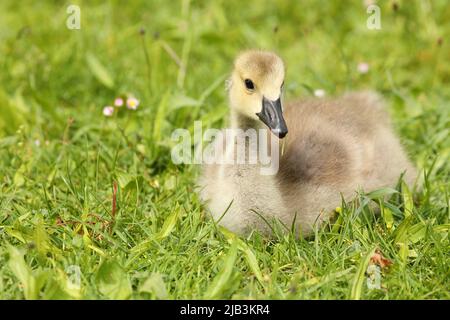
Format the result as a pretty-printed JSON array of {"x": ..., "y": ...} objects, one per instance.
[{"x": 60, "y": 156}]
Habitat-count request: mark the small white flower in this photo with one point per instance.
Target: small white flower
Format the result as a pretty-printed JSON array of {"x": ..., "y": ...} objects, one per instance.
[
  {"x": 132, "y": 103},
  {"x": 37, "y": 143},
  {"x": 319, "y": 93},
  {"x": 108, "y": 111},
  {"x": 118, "y": 102},
  {"x": 363, "y": 67}
]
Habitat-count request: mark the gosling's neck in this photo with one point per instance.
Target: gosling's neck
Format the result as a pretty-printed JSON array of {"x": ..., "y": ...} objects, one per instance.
[
  {"x": 269, "y": 153},
  {"x": 239, "y": 121}
]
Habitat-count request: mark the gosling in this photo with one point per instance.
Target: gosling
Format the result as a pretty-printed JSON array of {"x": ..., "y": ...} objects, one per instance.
[{"x": 328, "y": 148}]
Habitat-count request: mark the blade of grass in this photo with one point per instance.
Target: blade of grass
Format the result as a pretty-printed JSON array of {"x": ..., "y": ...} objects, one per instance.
[
  {"x": 358, "y": 280},
  {"x": 220, "y": 281}
]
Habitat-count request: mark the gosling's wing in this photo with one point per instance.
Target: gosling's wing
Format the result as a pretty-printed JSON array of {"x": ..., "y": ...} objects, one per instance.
[{"x": 326, "y": 135}]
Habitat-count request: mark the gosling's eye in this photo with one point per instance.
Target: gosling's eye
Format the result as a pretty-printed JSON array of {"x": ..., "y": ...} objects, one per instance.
[{"x": 249, "y": 84}]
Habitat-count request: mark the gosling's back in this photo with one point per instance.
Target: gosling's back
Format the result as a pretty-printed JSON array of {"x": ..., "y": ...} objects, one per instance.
[{"x": 337, "y": 146}]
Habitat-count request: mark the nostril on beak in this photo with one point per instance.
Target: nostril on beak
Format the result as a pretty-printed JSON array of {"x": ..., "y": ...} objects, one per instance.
[{"x": 280, "y": 133}]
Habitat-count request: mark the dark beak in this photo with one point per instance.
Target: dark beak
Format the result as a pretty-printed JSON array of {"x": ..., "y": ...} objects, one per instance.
[{"x": 272, "y": 115}]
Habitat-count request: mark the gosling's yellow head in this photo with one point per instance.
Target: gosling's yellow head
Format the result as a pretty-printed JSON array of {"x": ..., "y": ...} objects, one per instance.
[{"x": 256, "y": 87}]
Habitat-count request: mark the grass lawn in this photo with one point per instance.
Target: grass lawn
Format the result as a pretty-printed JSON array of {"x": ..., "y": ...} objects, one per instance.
[{"x": 60, "y": 157}]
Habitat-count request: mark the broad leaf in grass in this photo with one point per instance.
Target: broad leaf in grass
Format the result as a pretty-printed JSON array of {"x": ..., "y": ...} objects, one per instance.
[
  {"x": 112, "y": 281},
  {"x": 155, "y": 285},
  {"x": 407, "y": 200},
  {"x": 169, "y": 223},
  {"x": 380, "y": 193},
  {"x": 247, "y": 251},
  {"x": 387, "y": 216},
  {"x": 31, "y": 283},
  {"x": 220, "y": 282},
  {"x": 124, "y": 179},
  {"x": 99, "y": 71}
]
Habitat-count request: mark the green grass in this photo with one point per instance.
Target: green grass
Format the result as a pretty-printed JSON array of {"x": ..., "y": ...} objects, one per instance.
[{"x": 55, "y": 197}]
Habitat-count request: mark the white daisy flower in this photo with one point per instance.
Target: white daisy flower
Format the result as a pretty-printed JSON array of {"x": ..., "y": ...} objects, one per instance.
[
  {"x": 363, "y": 67},
  {"x": 108, "y": 111},
  {"x": 118, "y": 102},
  {"x": 132, "y": 103}
]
